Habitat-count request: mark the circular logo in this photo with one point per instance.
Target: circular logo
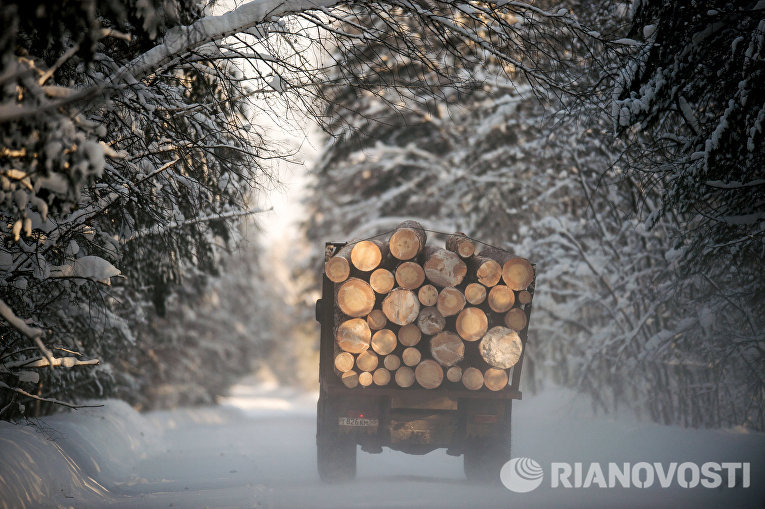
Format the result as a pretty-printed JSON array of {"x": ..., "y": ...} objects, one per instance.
[{"x": 521, "y": 475}]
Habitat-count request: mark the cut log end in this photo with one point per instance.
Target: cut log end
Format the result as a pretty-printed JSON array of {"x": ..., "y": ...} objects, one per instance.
[
  {"x": 517, "y": 273},
  {"x": 428, "y": 295},
  {"x": 516, "y": 319},
  {"x": 501, "y": 298},
  {"x": 366, "y": 361},
  {"x": 401, "y": 306},
  {"x": 355, "y": 298},
  {"x": 392, "y": 362},
  {"x": 344, "y": 362},
  {"x": 460, "y": 244},
  {"x": 431, "y": 321},
  {"x": 384, "y": 342},
  {"x": 411, "y": 356},
  {"x": 409, "y": 335},
  {"x": 475, "y": 293},
  {"x": 350, "y": 379},
  {"x": 472, "y": 324},
  {"x": 444, "y": 268},
  {"x": 472, "y": 379},
  {"x": 454, "y": 374},
  {"x": 366, "y": 255},
  {"x": 376, "y": 319},
  {"x": 382, "y": 281},
  {"x": 410, "y": 275},
  {"x": 450, "y": 301},
  {"x": 429, "y": 374},
  {"x": 365, "y": 379},
  {"x": 404, "y": 376},
  {"x": 353, "y": 335},
  {"x": 501, "y": 347},
  {"x": 381, "y": 376},
  {"x": 405, "y": 244},
  {"x": 524, "y": 297},
  {"x": 337, "y": 269},
  {"x": 488, "y": 272},
  {"x": 495, "y": 379},
  {"x": 447, "y": 348}
]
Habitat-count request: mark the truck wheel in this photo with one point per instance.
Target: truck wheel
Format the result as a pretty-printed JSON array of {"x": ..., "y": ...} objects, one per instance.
[
  {"x": 483, "y": 459},
  {"x": 336, "y": 458}
]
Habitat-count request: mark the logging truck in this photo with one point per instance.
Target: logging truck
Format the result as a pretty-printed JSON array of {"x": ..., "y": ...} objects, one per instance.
[{"x": 421, "y": 348}]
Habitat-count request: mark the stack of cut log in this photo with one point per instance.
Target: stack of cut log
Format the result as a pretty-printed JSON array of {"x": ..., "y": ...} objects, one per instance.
[{"x": 409, "y": 313}]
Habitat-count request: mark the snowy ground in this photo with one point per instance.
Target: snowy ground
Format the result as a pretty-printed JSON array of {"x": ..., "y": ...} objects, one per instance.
[{"x": 257, "y": 450}]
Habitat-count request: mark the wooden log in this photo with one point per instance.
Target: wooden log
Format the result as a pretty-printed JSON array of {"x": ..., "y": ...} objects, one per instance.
[
  {"x": 475, "y": 293},
  {"x": 501, "y": 298},
  {"x": 454, "y": 374},
  {"x": 409, "y": 335},
  {"x": 407, "y": 241},
  {"x": 392, "y": 362},
  {"x": 382, "y": 281},
  {"x": 381, "y": 376},
  {"x": 350, "y": 379},
  {"x": 459, "y": 243},
  {"x": 365, "y": 379},
  {"x": 401, "y": 306},
  {"x": 450, "y": 301},
  {"x": 338, "y": 268},
  {"x": 516, "y": 319},
  {"x": 472, "y": 324},
  {"x": 495, "y": 379},
  {"x": 517, "y": 273},
  {"x": 524, "y": 297},
  {"x": 487, "y": 271},
  {"x": 429, "y": 374},
  {"x": 411, "y": 356},
  {"x": 366, "y": 361},
  {"x": 376, "y": 319},
  {"x": 355, "y": 297},
  {"x": 501, "y": 347},
  {"x": 404, "y": 376},
  {"x": 410, "y": 275},
  {"x": 444, "y": 268},
  {"x": 472, "y": 378},
  {"x": 428, "y": 295},
  {"x": 344, "y": 362},
  {"x": 367, "y": 255},
  {"x": 447, "y": 348},
  {"x": 383, "y": 342},
  {"x": 353, "y": 335},
  {"x": 431, "y": 321}
]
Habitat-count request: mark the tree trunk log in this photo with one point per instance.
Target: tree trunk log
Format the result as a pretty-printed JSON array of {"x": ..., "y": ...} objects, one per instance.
[
  {"x": 428, "y": 295},
  {"x": 447, "y": 348},
  {"x": 411, "y": 356},
  {"x": 488, "y": 272},
  {"x": 344, "y": 362},
  {"x": 460, "y": 244},
  {"x": 450, "y": 301},
  {"x": 495, "y": 379},
  {"x": 350, "y": 379},
  {"x": 516, "y": 319},
  {"x": 381, "y": 376},
  {"x": 517, "y": 273},
  {"x": 410, "y": 275},
  {"x": 376, "y": 319},
  {"x": 444, "y": 268},
  {"x": 475, "y": 293},
  {"x": 501, "y": 347},
  {"x": 392, "y": 362},
  {"x": 366, "y": 361},
  {"x": 338, "y": 268},
  {"x": 383, "y": 342},
  {"x": 365, "y": 379},
  {"x": 408, "y": 240},
  {"x": 355, "y": 298},
  {"x": 353, "y": 335},
  {"x": 501, "y": 298},
  {"x": 382, "y": 281},
  {"x": 367, "y": 255},
  {"x": 429, "y": 374},
  {"x": 472, "y": 378},
  {"x": 409, "y": 335},
  {"x": 404, "y": 376},
  {"x": 454, "y": 374},
  {"x": 431, "y": 321},
  {"x": 401, "y": 306},
  {"x": 524, "y": 297},
  {"x": 472, "y": 324}
]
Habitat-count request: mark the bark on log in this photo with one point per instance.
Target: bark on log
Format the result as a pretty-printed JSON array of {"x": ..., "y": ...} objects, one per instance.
[
  {"x": 383, "y": 342},
  {"x": 501, "y": 347},
  {"x": 344, "y": 362},
  {"x": 444, "y": 268},
  {"x": 338, "y": 268},
  {"x": 524, "y": 297},
  {"x": 353, "y": 335},
  {"x": 472, "y": 378},
  {"x": 404, "y": 376},
  {"x": 411, "y": 356},
  {"x": 517, "y": 273},
  {"x": 495, "y": 379},
  {"x": 401, "y": 306},
  {"x": 431, "y": 321},
  {"x": 350, "y": 379},
  {"x": 516, "y": 319},
  {"x": 447, "y": 348},
  {"x": 366, "y": 361},
  {"x": 410, "y": 275},
  {"x": 472, "y": 324},
  {"x": 429, "y": 374},
  {"x": 475, "y": 293},
  {"x": 355, "y": 297},
  {"x": 409, "y": 335},
  {"x": 487, "y": 271},
  {"x": 381, "y": 376},
  {"x": 408, "y": 240},
  {"x": 450, "y": 301},
  {"x": 460, "y": 244},
  {"x": 454, "y": 374},
  {"x": 428, "y": 295},
  {"x": 501, "y": 298},
  {"x": 367, "y": 255},
  {"x": 365, "y": 379},
  {"x": 382, "y": 281},
  {"x": 376, "y": 319},
  {"x": 392, "y": 362}
]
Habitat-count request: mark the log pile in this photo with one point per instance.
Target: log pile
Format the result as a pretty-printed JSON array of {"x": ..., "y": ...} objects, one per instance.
[{"x": 412, "y": 314}]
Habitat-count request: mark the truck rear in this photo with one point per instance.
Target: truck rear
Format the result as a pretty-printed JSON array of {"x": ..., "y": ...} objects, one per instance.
[{"x": 421, "y": 348}]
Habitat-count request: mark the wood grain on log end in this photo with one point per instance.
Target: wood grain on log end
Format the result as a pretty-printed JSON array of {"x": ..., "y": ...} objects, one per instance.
[
  {"x": 517, "y": 273},
  {"x": 404, "y": 376},
  {"x": 353, "y": 335},
  {"x": 384, "y": 341},
  {"x": 355, "y": 298},
  {"x": 429, "y": 374},
  {"x": 501, "y": 347},
  {"x": 501, "y": 298},
  {"x": 472, "y": 378},
  {"x": 382, "y": 281},
  {"x": 401, "y": 306},
  {"x": 495, "y": 379},
  {"x": 344, "y": 362},
  {"x": 409, "y": 335},
  {"x": 472, "y": 324},
  {"x": 516, "y": 319},
  {"x": 447, "y": 348}
]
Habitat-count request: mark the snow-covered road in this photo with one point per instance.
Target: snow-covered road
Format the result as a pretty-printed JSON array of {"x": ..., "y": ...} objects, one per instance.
[{"x": 257, "y": 450}]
